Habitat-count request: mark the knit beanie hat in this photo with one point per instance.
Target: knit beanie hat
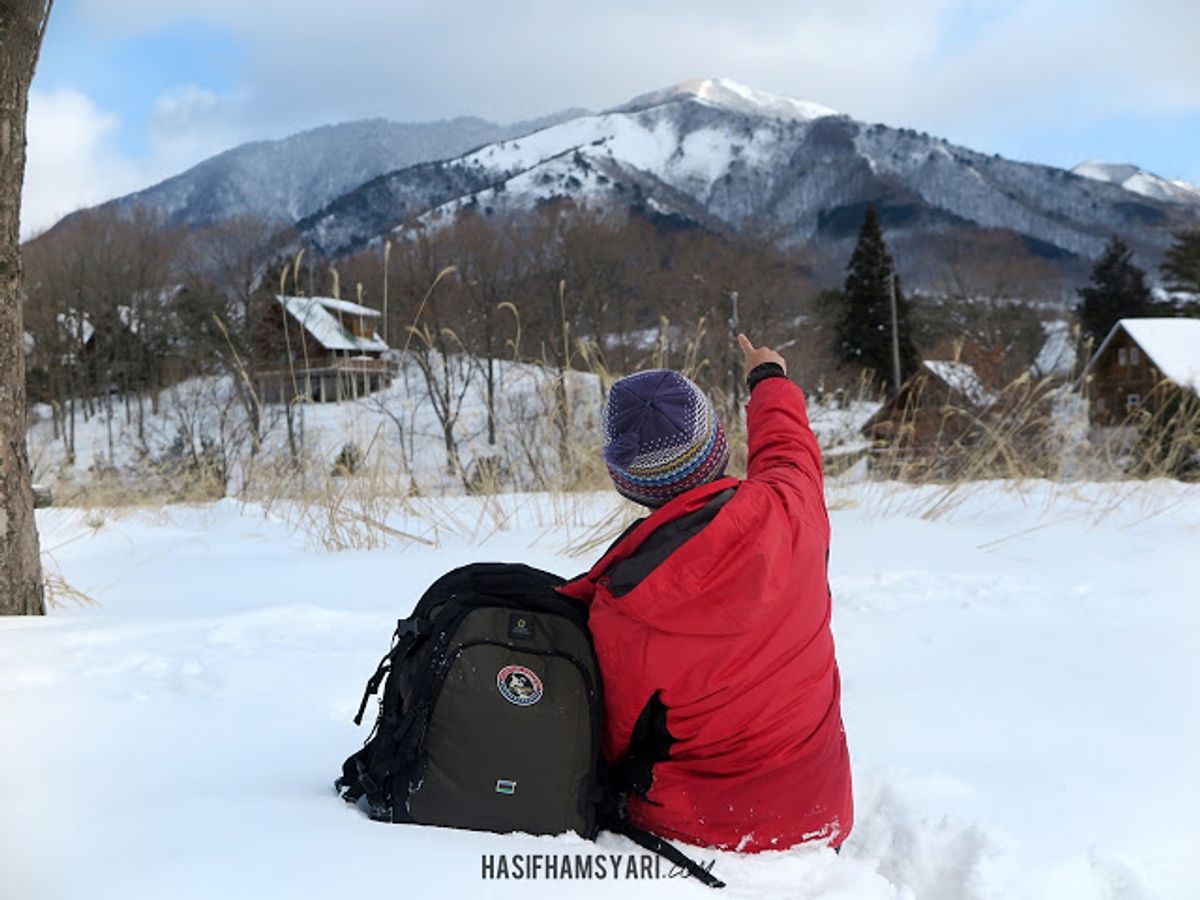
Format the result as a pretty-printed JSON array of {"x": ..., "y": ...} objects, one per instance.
[{"x": 661, "y": 437}]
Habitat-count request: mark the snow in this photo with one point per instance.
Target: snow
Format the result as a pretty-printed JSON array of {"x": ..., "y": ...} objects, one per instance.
[
  {"x": 399, "y": 422},
  {"x": 757, "y": 158},
  {"x": 639, "y": 144},
  {"x": 319, "y": 317},
  {"x": 544, "y": 164},
  {"x": 729, "y": 94},
  {"x": 76, "y": 326},
  {"x": 1175, "y": 298},
  {"x": 1173, "y": 345},
  {"x": 1139, "y": 181},
  {"x": 1016, "y": 665},
  {"x": 1058, "y": 354},
  {"x": 960, "y": 377},
  {"x": 345, "y": 306}
]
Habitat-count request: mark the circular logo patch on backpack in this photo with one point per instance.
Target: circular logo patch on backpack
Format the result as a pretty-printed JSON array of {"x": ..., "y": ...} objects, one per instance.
[{"x": 519, "y": 685}]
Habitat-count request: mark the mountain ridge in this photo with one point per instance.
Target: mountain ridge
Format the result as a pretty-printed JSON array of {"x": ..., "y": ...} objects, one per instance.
[
  {"x": 711, "y": 152},
  {"x": 809, "y": 176},
  {"x": 281, "y": 180}
]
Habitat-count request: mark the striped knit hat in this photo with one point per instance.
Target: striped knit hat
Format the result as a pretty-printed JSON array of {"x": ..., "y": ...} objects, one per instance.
[{"x": 661, "y": 437}]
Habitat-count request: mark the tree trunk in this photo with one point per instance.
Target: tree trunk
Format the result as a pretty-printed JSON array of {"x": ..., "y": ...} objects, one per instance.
[{"x": 21, "y": 27}]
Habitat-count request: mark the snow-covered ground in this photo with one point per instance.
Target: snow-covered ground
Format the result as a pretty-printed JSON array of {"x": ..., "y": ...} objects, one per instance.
[{"x": 1019, "y": 674}]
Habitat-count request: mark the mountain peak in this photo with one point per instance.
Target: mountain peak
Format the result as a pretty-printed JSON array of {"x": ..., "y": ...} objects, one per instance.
[{"x": 729, "y": 94}]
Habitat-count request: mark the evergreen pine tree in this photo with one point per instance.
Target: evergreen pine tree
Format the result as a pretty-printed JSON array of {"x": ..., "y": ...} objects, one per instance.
[
  {"x": 1181, "y": 270},
  {"x": 1118, "y": 291},
  {"x": 864, "y": 331}
]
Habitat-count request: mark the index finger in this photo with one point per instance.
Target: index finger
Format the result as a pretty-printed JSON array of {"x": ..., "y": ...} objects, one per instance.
[{"x": 744, "y": 343}]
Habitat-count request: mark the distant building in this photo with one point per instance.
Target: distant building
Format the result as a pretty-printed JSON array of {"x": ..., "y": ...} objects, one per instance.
[
  {"x": 320, "y": 349},
  {"x": 937, "y": 406},
  {"x": 109, "y": 345},
  {"x": 1058, "y": 357},
  {"x": 1139, "y": 365},
  {"x": 78, "y": 335}
]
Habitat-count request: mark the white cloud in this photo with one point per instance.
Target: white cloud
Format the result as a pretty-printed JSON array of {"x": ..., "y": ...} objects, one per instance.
[
  {"x": 74, "y": 159},
  {"x": 970, "y": 70},
  {"x": 189, "y": 123},
  {"x": 70, "y": 160},
  {"x": 930, "y": 59}
]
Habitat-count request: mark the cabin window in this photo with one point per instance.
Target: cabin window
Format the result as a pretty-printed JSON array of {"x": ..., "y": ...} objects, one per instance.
[
  {"x": 1133, "y": 356},
  {"x": 1132, "y": 400},
  {"x": 1122, "y": 357}
]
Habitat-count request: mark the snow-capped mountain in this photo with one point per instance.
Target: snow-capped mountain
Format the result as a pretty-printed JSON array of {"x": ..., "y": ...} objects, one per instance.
[
  {"x": 1140, "y": 181},
  {"x": 285, "y": 180},
  {"x": 710, "y": 152},
  {"x": 729, "y": 157}
]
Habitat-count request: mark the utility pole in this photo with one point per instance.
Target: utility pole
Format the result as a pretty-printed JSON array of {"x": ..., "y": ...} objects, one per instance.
[
  {"x": 895, "y": 334},
  {"x": 733, "y": 368},
  {"x": 387, "y": 252}
]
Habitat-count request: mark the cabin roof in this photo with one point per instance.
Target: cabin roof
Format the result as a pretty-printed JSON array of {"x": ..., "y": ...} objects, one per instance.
[
  {"x": 1172, "y": 344},
  {"x": 960, "y": 377},
  {"x": 319, "y": 316},
  {"x": 75, "y": 326}
]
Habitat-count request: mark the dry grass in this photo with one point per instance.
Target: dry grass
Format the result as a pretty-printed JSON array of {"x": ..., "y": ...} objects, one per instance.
[
  {"x": 372, "y": 498},
  {"x": 58, "y": 592},
  {"x": 1033, "y": 432}
]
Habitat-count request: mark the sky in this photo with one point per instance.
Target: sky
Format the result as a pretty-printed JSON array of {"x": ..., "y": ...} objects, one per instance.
[{"x": 129, "y": 92}]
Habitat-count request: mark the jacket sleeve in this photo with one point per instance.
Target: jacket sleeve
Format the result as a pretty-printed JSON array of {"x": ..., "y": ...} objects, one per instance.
[{"x": 783, "y": 451}]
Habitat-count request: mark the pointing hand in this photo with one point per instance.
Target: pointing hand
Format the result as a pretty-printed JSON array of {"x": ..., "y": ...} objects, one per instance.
[{"x": 756, "y": 356}]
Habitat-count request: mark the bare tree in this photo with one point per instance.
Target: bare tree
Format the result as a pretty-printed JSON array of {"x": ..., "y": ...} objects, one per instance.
[
  {"x": 22, "y": 25},
  {"x": 231, "y": 296}
]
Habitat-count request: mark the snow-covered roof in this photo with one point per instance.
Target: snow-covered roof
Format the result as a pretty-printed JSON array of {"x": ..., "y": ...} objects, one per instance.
[
  {"x": 1162, "y": 295},
  {"x": 345, "y": 306},
  {"x": 130, "y": 319},
  {"x": 76, "y": 326},
  {"x": 319, "y": 316},
  {"x": 1172, "y": 344},
  {"x": 162, "y": 295},
  {"x": 1057, "y": 356},
  {"x": 960, "y": 377}
]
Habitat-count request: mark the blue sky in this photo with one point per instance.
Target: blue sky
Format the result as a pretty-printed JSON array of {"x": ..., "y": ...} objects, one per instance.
[
  {"x": 131, "y": 91},
  {"x": 126, "y": 73}
]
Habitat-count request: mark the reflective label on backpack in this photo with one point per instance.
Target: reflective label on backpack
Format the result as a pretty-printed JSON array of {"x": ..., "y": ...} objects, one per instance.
[{"x": 519, "y": 685}]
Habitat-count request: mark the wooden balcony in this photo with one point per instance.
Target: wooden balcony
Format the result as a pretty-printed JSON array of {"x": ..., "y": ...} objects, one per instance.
[{"x": 327, "y": 380}]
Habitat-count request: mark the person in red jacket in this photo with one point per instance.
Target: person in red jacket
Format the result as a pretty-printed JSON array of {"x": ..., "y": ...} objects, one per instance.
[{"x": 711, "y": 619}]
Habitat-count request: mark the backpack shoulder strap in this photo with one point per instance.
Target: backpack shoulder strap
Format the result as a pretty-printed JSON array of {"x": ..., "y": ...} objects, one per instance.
[{"x": 667, "y": 851}]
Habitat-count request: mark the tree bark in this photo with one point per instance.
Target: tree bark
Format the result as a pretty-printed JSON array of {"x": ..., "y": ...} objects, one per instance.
[{"x": 22, "y": 25}]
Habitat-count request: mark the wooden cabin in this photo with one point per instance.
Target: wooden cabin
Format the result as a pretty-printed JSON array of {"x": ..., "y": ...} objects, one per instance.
[
  {"x": 1139, "y": 365},
  {"x": 936, "y": 406},
  {"x": 320, "y": 349},
  {"x": 104, "y": 346}
]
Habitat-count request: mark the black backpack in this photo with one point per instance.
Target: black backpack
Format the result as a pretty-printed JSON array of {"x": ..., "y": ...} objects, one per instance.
[{"x": 491, "y": 715}]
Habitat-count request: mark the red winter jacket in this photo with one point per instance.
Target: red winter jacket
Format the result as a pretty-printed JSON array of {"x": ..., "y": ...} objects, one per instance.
[{"x": 721, "y": 688}]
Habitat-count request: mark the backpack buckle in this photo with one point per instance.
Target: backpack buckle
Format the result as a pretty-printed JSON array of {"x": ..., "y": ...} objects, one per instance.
[{"x": 411, "y": 627}]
